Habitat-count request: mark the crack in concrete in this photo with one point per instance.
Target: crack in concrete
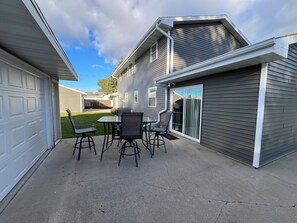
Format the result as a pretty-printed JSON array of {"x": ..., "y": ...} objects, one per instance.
[
  {"x": 253, "y": 203},
  {"x": 221, "y": 211}
]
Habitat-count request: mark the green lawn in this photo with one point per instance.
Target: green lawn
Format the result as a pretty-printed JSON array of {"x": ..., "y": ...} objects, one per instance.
[{"x": 82, "y": 120}]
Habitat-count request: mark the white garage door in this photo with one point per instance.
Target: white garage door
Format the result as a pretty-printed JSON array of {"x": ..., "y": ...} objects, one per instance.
[{"x": 22, "y": 124}]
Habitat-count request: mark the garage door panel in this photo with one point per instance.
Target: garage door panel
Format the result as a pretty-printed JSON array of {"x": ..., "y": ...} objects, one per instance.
[
  {"x": 31, "y": 104},
  {"x": 1, "y": 108},
  {"x": 17, "y": 138},
  {"x": 19, "y": 166},
  {"x": 4, "y": 185},
  {"x": 32, "y": 130},
  {"x": 15, "y": 77},
  {"x": 3, "y": 145},
  {"x": 30, "y": 81},
  {"x": 16, "y": 106}
]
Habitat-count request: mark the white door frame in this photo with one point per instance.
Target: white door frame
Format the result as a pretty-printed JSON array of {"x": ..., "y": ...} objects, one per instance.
[{"x": 171, "y": 109}]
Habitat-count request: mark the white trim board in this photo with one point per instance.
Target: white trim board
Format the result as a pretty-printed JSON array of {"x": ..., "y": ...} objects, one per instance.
[{"x": 260, "y": 115}]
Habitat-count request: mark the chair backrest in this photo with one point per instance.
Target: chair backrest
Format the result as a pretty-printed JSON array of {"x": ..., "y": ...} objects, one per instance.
[
  {"x": 165, "y": 119},
  {"x": 131, "y": 127},
  {"x": 121, "y": 110},
  {"x": 71, "y": 120}
]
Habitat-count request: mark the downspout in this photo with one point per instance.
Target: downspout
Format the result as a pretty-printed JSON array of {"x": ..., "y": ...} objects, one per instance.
[{"x": 169, "y": 65}]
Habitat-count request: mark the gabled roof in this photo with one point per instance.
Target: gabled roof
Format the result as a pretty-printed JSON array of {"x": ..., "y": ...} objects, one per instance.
[
  {"x": 166, "y": 23},
  {"x": 266, "y": 51},
  {"x": 25, "y": 33},
  {"x": 72, "y": 89}
]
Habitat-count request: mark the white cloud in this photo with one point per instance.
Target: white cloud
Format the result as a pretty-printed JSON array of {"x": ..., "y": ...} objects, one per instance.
[
  {"x": 97, "y": 66},
  {"x": 115, "y": 27}
]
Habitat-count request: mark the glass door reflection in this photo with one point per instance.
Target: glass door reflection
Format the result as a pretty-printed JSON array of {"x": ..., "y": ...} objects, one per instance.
[{"x": 186, "y": 108}]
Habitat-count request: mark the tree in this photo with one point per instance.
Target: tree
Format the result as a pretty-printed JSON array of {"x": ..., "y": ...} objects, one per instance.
[{"x": 108, "y": 85}]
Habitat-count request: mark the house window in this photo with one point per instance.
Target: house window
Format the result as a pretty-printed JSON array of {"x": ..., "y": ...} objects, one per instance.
[
  {"x": 128, "y": 72},
  {"x": 135, "y": 96},
  {"x": 154, "y": 52},
  {"x": 152, "y": 97},
  {"x": 120, "y": 78},
  {"x": 126, "y": 99}
]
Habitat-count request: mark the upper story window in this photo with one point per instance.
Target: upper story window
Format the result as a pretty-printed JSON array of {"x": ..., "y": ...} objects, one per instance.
[
  {"x": 120, "y": 79},
  {"x": 154, "y": 52},
  {"x": 130, "y": 70},
  {"x": 135, "y": 96},
  {"x": 152, "y": 97}
]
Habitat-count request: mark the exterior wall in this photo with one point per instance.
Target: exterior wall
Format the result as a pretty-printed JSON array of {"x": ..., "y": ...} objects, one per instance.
[
  {"x": 143, "y": 78},
  {"x": 229, "y": 111},
  {"x": 194, "y": 43},
  {"x": 280, "y": 115},
  {"x": 70, "y": 99}
]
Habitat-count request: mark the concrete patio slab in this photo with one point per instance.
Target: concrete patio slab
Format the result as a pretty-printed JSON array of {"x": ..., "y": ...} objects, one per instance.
[{"x": 188, "y": 184}]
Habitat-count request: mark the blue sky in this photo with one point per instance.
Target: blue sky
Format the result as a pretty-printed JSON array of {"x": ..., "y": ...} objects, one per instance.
[
  {"x": 89, "y": 66},
  {"x": 96, "y": 33}
]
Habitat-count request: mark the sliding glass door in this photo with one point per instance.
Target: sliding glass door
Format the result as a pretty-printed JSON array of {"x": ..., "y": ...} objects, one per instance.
[{"x": 186, "y": 108}]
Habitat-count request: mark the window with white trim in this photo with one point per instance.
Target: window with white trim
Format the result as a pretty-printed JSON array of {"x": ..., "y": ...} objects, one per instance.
[
  {"x": 126, "y": 97},
  {"x": 152, "y": 97},
  {"x": 154, "y": 52},
  {"x": 135, "y": 96}
]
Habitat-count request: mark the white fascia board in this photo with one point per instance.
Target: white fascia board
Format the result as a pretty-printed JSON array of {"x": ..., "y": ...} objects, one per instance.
[
  {"x": 34, "y": 10},
  {"x": 222, "y": 18},
  {"x": 72, "y": 89},
  {"x": 259, "y": 53}
]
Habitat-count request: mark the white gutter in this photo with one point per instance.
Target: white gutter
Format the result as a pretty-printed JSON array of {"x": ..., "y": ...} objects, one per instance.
[
  {"x": 171, "y": 47},
  {"x": 260, "y": 115},
  {"x": 169, "y": 65}
]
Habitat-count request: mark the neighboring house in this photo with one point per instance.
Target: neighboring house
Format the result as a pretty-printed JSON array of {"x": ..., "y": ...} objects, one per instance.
[
  {"x": 31, "y": 64},
  {"x": 229, "y": 96},
  {"x": 71, "y": 98},
  {"x": 97, "y": 100}
]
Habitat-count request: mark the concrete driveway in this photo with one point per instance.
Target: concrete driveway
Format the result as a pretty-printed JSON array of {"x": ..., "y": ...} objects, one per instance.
[{"x": 188, "y": 184}]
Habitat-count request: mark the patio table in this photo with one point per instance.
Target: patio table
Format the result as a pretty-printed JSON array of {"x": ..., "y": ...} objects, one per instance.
[{"x": 108, "y": 125}]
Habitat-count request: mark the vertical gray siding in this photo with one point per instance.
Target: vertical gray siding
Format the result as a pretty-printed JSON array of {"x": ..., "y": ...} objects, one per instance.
[
  {"x": 230, "y": 102},
  {"x": 194, "y": 43},
  {"x": 144, "y": 77},
  {"x": 280, "y": 115}
]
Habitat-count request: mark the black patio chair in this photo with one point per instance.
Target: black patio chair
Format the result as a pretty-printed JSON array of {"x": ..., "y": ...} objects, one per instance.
[
  {"x": 116, "y": 127},
  {"x": 131, "y": 129},
  {"x": 157, "y": 130},
  {"x": 82, "y": 136}
]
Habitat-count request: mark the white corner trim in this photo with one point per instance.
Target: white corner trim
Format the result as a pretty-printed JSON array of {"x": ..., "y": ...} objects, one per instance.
[{"x": 260, "y": 115}]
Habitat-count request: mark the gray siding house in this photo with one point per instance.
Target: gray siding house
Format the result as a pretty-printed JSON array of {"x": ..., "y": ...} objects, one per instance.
[{"x": 229, "y": 96}]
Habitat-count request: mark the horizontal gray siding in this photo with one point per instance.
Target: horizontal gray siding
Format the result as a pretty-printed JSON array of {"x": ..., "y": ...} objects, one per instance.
[
  {"x": 229, "y": 114},
  {"x": 144, "y": 77},
  {"x": 280, "y": 115},
  {"x": 194, "y": 43}
]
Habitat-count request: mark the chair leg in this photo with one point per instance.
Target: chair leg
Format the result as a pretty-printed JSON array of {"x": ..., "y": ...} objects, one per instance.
[
  {"x": 92, "y": 142},
  {"x": 79, "y": 151},
  {"x": 137, "y": 149},
  {"x": 89, "y": 143},
  {"x": 75, "y": 145},
  {"x": 164, "y": 143},
  {"x": 154, "y": 145},
  {"x": 135, "y": 152},
  {"x": 122, "y": 152}
]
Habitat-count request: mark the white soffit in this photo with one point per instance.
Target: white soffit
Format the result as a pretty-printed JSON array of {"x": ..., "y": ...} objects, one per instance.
[
  {"x": 25, "y": 33},
  {"x": 266, "y": 51}
]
